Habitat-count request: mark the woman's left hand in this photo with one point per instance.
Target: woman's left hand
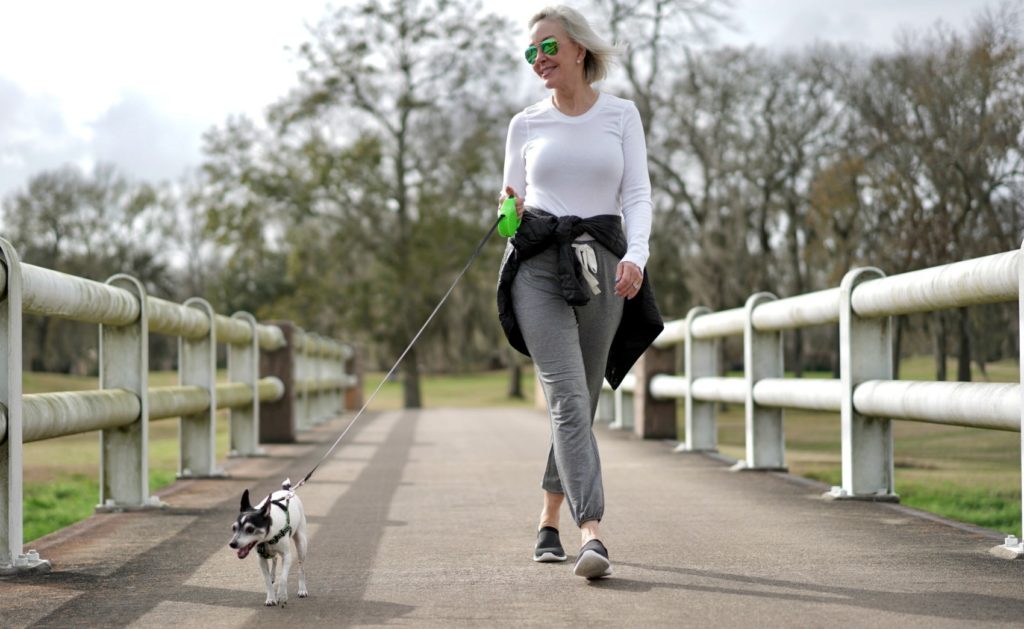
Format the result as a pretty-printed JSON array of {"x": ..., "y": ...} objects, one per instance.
[{"x": 628, "y": 278}]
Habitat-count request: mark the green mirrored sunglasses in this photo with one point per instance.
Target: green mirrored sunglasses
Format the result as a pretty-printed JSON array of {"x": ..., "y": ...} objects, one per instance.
[{"x": 549, "y": 47}]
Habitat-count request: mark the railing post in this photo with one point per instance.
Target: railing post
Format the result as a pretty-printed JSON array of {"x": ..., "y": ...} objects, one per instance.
[
  {"x": 653, "y": 419},
  {"x": 333, "y": 371},
  {"x": 701, "y": 361},
  {"x": 623, "y": 410},
  {"x": 124, "y": 364},
  {"x": 605, "y": 406},
  {"x": 865, "y": 353},
  {"x": 1013, "y": 547},
  {"x": 309, "y": 376},
  {"x": 762, "y": 358},
  {"x": 302, "y": 376},
  {"x": 12, "y": 560},
  {"x": 277, "y": 419},
  {"x": 197, "y": 366},
  {"x": 244, "y": 366},
  {"x": 320, "y": 373}
]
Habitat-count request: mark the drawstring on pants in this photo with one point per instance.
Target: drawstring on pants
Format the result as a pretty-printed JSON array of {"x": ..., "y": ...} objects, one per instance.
[{"x": 588, "y": 261}]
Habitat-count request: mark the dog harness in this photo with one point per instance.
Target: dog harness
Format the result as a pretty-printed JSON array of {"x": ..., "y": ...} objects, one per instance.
[{"x": 261, "y": 548}]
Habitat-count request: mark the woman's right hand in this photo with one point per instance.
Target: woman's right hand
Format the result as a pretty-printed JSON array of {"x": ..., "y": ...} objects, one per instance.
[{"x": 510, "y": 192}]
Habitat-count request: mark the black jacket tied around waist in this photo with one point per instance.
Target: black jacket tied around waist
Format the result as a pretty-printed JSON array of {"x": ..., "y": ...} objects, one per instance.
[{"x": 641, "y": 322}]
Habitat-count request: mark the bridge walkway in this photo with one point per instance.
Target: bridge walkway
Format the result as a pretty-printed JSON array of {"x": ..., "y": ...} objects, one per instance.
[{"x": 426, "y": 518}]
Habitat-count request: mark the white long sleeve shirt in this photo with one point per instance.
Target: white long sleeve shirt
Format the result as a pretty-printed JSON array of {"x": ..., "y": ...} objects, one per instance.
[{"x": 586, "y": 165}]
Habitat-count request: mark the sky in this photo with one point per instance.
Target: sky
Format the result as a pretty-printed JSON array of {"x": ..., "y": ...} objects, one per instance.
[{"x": 137, "y": 83}]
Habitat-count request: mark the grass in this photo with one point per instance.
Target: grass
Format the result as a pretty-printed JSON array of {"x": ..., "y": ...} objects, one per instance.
[
  {"x": 475, "y": 390},
  {"x": 970, "y": 475}
]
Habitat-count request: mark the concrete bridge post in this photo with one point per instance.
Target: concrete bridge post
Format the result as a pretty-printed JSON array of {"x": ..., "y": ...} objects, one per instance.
[
  {"x": 653, "y": 418},
  {"x": 623, "y": 409},
  {"x": 124, "y": 364},
  {"x": 762, "y": 358},
  {"x": 244, "y": 366},
  {"x": 865, "y": 353},
  {"x": 701, "y": 360},
  {"x": 197, "y": 366},
  {"x": 278, "y": 419}
]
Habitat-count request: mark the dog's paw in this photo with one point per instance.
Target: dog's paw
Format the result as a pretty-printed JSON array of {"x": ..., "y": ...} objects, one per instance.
[
  {"x": 271, "y": 602},
  {"x": 303, "y": 593}
]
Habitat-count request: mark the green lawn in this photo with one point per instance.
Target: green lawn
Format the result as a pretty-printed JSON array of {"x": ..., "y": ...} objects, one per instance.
[{"x": 967, "y": 474}]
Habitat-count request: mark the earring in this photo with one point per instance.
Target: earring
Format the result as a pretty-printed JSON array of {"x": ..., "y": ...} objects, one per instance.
[{"x": 579, "y": 61}]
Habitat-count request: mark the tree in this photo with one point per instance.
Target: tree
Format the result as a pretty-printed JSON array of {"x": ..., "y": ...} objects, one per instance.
[
  {"x": 91, "y": 225},
  {"x": 379, "y": 172},
  {"x": 946, "y": 120},
  {"x": 788, "y": 138}
]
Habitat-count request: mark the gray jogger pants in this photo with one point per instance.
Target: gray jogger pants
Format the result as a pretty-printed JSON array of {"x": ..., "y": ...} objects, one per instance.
[{"x": 569, "y": 346}]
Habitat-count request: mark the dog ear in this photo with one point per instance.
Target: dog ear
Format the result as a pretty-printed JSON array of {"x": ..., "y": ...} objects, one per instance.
[
  {"x": 246, "y": 506},
  {"x": 265, "y": 511}
]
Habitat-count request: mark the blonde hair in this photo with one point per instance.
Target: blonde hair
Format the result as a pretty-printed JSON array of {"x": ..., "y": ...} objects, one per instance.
[{"x": 600, "y": 54}]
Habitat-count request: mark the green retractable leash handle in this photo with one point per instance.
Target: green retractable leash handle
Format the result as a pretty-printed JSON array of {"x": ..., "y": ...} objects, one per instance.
[{"x": 509, "y": 221}]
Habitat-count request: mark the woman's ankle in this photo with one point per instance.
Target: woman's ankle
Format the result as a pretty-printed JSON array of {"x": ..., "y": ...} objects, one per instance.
[
  {"x": 549, "y": 514},
  {"x": 589, "y": 531}
]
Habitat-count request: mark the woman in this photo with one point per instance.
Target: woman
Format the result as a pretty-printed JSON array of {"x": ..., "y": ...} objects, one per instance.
[{"x": 572, "y": 292}]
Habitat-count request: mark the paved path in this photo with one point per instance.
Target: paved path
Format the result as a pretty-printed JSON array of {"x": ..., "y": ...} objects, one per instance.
[{"x": 427, "y": 519}]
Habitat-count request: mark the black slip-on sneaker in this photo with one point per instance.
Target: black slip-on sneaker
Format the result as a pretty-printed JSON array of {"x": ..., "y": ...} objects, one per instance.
[
  {"x": 548, "y": 548},
  {"x": 593, "y": 562}
]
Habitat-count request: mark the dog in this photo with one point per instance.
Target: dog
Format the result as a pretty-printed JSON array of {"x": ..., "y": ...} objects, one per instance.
[{"x": 267, "y": 528}]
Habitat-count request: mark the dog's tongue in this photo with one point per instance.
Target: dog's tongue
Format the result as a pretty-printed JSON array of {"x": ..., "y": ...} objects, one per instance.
[{"x": 243, "y": 552}]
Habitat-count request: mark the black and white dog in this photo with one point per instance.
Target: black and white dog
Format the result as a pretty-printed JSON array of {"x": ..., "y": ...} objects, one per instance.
[{"x": 267, "y": 527}]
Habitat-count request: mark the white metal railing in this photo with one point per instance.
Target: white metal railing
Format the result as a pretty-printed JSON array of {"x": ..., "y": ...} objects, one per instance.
[
  {"x": 124, "y": 404},
  {"x": 866, "y": 396}
]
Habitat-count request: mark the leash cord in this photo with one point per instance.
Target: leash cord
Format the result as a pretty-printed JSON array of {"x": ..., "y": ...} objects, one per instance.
[{"x": 473, "y": 257}]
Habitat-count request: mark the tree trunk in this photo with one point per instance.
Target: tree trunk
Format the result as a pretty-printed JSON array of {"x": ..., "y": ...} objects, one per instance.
[
  {"x": 515, "y": 381},
  {"x": 35, "y": 356},
  {"x": 411, "y": 381},
  {"x": 940, "y": 349},
  {"x": 798, "y": 352},
  {"x": 963, "y": 371},
  {"x": 411, "y": 369},
  {"x": 897, "y": 345}
]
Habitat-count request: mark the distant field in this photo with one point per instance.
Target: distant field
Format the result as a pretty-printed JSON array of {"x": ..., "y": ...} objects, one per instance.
[{"x": 966, "y": 474}]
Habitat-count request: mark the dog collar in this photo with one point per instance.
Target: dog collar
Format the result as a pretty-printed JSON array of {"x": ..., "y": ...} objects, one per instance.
[{"x": 261, "y": 548}]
